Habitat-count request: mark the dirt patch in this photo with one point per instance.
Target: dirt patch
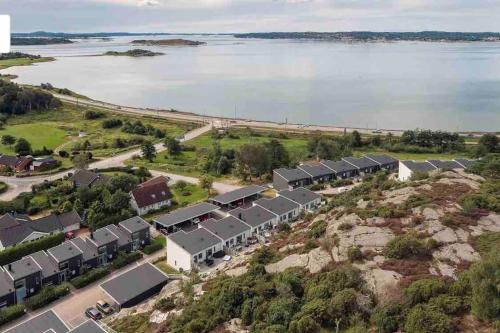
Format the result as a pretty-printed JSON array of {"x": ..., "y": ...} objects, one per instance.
[
  {"x": 407, "y": 267},
  {"x": 446, "y": 194}
]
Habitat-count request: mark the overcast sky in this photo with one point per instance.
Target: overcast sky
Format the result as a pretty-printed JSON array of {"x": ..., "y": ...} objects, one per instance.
[{"x": 251, "y": 15}]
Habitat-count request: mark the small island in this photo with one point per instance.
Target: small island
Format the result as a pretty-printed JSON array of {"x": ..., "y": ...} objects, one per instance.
[
  {"x": 134, "y": 53},
  {"x": 19, "y": 59},
  {"x": 39, "y": 41},
  {"x": 167, "y": 42}
]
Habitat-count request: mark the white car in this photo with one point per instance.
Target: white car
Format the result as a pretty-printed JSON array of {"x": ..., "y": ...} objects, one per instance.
[{"x": 226, "y": 258}]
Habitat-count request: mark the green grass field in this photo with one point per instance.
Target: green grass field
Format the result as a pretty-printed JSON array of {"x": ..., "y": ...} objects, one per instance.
[
  {"x": 22, "y": 62},
  {"x": 38, "y": 134}
]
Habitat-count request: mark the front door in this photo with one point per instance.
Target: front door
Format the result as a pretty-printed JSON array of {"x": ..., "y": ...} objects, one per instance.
[
  {"x": 20, "y": 290},
  {"x": 64, "y": 275}
]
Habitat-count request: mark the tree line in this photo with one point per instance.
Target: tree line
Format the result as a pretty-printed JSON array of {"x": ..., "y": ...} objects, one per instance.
[{"x": 15, "y": 100}]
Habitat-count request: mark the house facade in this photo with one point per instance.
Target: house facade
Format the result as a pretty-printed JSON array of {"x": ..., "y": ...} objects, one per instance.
[
  {"x": 306, "y": 199},
  {"x": 258, "y": 218},
  {"x": 151, "y": 195},
  {"x": 288, "y": 179}
]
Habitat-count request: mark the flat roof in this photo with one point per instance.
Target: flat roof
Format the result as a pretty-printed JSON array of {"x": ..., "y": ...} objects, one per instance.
[
  {"x": 44, "y": 322},
  {"x": 134, "y": 224},
  {"x": 445, "y": 164},
  {"x": 6, "y": 283},
  {"x": 278, "y": 205},
  {"x": 254, "y": 216},
  {"x": 64, "y": 251},
  {"x": 22, "y": 268},
  {"x": 300, "y": 195},
  {"x": 361, "y": 162},
  {"x": 89, "y": 326},
  {"x": 238, "y": 194},
  {"x": 124, "y": 237},
  {"x": 194, "y": 241},
  {"x": 185, "y": 214},
  {"x": 381, "y": 159},
  {"x": 292, "y": 174},
  {"x": 226, "y": 228},
  {"x": 419, "y": 166},
  {"x": 465, "y": 162},
  {"x": 339, "y": 166},
  {"x": 133, "y": 283},
  {"x": 89, "y": 250},
  {"x": 316, "y": 169}
]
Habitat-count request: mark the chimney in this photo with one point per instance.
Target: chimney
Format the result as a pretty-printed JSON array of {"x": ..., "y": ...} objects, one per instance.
[{"x": 10, "y": 267}]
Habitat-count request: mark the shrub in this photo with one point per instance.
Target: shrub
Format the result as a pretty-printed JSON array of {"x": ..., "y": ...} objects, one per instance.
[
  {"x": 11, "y": 312},
  {"x": 354, "y": 254},
  {"x": 17, "y": 252},
  {"x": 112, "y": 123},
  {"x": 448, "y": 304},
  {"x": 317, "y": 229},
  {"x": 89, "y": 115},
  {"x": 165, "y": 304},
  {"x": 63, "y": 153},
  {"x": 309, "y": 245},
  {"x": 404, "y": 247},
  {"x": 425, "y": 318},
  {"x": 284, "y": 227},
  {"x": 304, "y": 325},
  {"x": 123, "y": 259},
  {"x": 387, "y": 318},
  {"x": 153, "y": 247},
  {"x": 422, "y": 290},
  {"x": 47, "y": 295},
  {"x": 484, "y": 280},
  {"x": 89, "y": 277},
  {"x": 344, "y": 226}
]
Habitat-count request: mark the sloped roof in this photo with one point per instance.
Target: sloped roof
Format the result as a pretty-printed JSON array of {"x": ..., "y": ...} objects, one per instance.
[
  {"x": 89, "y": 251},
  {"x": 418, "y": 166},
  {"x": 151, "y": 194},
  {"x": 339, "y": 166},
  {"x": 124, "y": 238},
  {"x": 300, "y": 195},
  {"x": 465, "y": 162},
  {"x": 381, "y": 159},
  {"x": 225, "y": 228},
  {"x": 89, "y": 326},
  {"x": 22, "y": 268},
  {"x": 278, "y": 205},
  {"x": 48, "y": 264},
  {"x": 291, "y": 175},
  {"x": 361, "y": 162},
  {"x": 65, "y": 251},
  {"x": 316, "y": 169},
  {"x": 254, "y": 216},
  {"x": 102, "y": 236},
  {"x": 185, "y": 214},
  {"x": 47, "y": 322},
  {"x": 87, "y": 178},
  {"x": 445, "y": 164},
  {"x": 13, "y": 231}
]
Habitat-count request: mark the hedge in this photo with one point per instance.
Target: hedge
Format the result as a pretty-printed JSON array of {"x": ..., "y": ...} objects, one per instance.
[
  {"x": 153, "y": 247},
  {"x": 89, "y": 277},
  {"x": 47, "y": 295},
  {"x": 17, "y": 252},
  {"x": 124, "y": 259},
  {"x": 11, "y": 312}
]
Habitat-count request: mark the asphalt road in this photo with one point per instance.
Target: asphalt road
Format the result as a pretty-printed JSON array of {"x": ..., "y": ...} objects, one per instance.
[{"x": 19, "y": 185}]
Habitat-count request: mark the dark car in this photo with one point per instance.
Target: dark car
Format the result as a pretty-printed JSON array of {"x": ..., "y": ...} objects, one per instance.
[
  {"x": 209, "y": 262},
  {"x": 92, "y": 313}
]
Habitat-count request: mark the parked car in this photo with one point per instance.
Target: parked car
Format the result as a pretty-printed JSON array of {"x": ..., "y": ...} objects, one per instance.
[
  {"x": 70, "y": 235},
  {"x": 226, "y": 258},
  {"x": 209, "y": 262},
  {"x": 92, "y": 313},
  {"x": 104, "y": 307}
]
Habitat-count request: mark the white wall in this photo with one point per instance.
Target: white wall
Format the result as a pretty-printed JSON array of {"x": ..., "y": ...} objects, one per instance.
[
  {"x": 404, "y": 172},
  {"x": 177, "y": 257}
]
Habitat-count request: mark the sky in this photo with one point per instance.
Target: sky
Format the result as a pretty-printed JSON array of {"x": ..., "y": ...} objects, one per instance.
[{"x": 192, "y": 16}]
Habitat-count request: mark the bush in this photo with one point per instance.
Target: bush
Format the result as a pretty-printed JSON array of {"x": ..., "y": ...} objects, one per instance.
[
  {"x": 422, "y": 290},
  {"x": 63, "y": 153},
  {"x": 17, "y": 252},
  {"x": 47, "y": 295},
  {"x": 112, "y": 123},
  {"x": 387, "y": 318},
  {"x": 448, "y": 304},
  {"x": 425, "y": 318},
  {"x": 123, "y": 259},
  {"x": 11, "y": 312},
  {"x": 153, "y": 247},
  {"x": 284, "y": 227},
  {"x": 317, "y": 229},
  {"x": 310, "y": 244},
  {"x": 354, "y": 254},
  {"x": 165, "y": 304},
  {"x": 405, "y": 246},
  {"x": 89, "y": 277},
  {"x": 89, "y": 115}
]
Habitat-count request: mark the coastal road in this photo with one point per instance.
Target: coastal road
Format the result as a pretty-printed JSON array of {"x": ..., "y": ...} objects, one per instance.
[{"x": 19, "y": 185}]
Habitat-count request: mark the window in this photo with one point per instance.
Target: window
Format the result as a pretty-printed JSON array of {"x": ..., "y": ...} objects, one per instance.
[
  {"x": 200, "y": 255},
  {"x": 63, "y": 265}
]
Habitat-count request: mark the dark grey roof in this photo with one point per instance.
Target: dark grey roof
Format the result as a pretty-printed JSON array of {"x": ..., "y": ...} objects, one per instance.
[
  {"x": 124, "y": 237},
  {"x": 361, "y": 162},
  {"x": 194, "y": 241},
  {"x": 89, "y": 178},
  {"x": 381, "y": 159},
  {"x": 445, "y": 164},
  {"x": 69, "y": 218},
  {"x": 6, "y": 283},
  {"x": 316, "y": 169},
  {"x": 46, "y": 224},
  {"x": 89, "y": 326},
  {"x": 465, "y": 162},
  {"x": 291, "y": 175},
  {"x": 49, "y": 266},
  {"x": 238, "y": 194},
  {"x": 45, "y": 322},
  {"x": 278, "y": 205},
  {"x": 102, "y": 236},
  {"x": 22, "y": 268},
  {"x": 64, "y": 251},
  {"x": 339, "y": 166},
  {"x": 185, "y": 214},
  {"x": 89, "y": 250},
  {"x": 133, "y": 283},
  {"x": 14, "y": 235},
  {"x": 254, "y": 216},
  {"x": 134, "y": 224},
  {"x": 419, "y": 166},
  {"x": 226, "y": 228},
  {"x": 300, "y": 195}
]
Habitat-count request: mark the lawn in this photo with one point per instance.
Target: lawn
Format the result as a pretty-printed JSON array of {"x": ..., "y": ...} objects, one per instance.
[
  {"x": 21, "y": 62},
  {"x": 65, "y": 127},
  {"x": 166, "y": 268}
]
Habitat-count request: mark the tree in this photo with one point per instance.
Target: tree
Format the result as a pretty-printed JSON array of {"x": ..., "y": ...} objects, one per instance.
[
  {"x": 206, "y": 182},
  {"x": 8, "y": 140},
  {"x": 278, "y": 155},
  {"x": 425, "y": 318},
  {"x": 304, "y": 325},
  {"x": 118, "y": 201},
  {"x": 356, "y": 141},
  {"x": 173, "y": 146},
  {"x": 252, "y": 160},
  {"x": 489, "y": 143},
  {"x": 125, "y": 182},
  {"x": 148, "y": 151},
  {"x": 22, "y": 147}
]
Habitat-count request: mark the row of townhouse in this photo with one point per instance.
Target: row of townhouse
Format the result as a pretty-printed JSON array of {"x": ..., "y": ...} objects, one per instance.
[
  {"x": 25, "y": 277},
  {"x": 326, "y": 170},
  {"x": 408, "y": 168},
  {"x": 212, "y": 231}
]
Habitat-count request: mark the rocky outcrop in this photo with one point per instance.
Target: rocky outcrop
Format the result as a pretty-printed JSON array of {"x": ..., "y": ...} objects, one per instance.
[
  {"x": 314, "y": 261},
  {"x": 399, "y": 196},
  {"x": 457, "y": 252},
  {"x": 382, "y": 282}
]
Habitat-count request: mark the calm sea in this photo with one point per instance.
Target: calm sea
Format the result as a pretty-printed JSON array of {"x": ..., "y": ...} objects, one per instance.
[{"x": 451, "y": 86}]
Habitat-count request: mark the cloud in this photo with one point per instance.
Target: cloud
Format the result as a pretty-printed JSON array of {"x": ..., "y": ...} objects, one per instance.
[{"x": 148, "y": 3}]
